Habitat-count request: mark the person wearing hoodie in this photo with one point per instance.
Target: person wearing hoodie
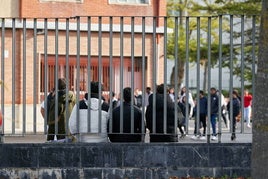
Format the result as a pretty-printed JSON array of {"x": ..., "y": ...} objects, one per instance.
[
  {"x": 89, "y": 129},
  {"x": 136, "y": 120},
  {"x": 159, "y": 135}
]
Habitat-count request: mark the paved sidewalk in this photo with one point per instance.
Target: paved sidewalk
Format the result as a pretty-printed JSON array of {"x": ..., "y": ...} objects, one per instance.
[{"x": 245, "y": 137}]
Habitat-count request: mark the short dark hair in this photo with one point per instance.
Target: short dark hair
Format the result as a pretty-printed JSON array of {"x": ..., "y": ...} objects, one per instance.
[
  {"x": 201, "y": 92},
  {"x": 94, "y": 85},
  {"x": 160, "y": 89},
  {"x": 127, "y": 94},
  {"x": 61, "y": 83},
  {"x": 214, "y": 89},
  {"x": 235, "y": 92}
]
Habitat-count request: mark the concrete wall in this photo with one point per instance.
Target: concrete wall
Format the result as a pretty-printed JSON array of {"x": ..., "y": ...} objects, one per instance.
[
  {"x": 143, "y": 161},
  {"x": 9, "y": 8}
]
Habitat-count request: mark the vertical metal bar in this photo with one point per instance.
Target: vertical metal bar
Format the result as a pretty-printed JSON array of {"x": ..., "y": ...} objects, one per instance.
[
  {"x": 231, "y": 73},
  {"x": 121, "y": 71},
  {"x": 198, "y": 76},
  {"x": 2, "y": 131},
  {"x": 187, "y": 75},
  {"x": 111, "y": 72},
  {"x": 34, "y": 75},
  {"x": 100, "y": 68},
  {"x": 46, "y": 75},
  {"x": 253, "y": 63},
  {"x": 165, "y": 79},
  {"x": 67, "y": 67},
  {"x": 89, "y": 73},
  {"x": 242, "y": 71},
  {"x": 209, "y": 76},
  {"x": 154, "y": 74},
  {"x": 220, "y": 79},
  {"x": 13, "y": 73},
  {"x": 176, "y": 56},
  {"x": 143, "y": 68},
  {"x": 24, "y": 78},
  {"x": 132, "y": 73},
  {"x": 56, "y": 73},
  {"x": 78, "y": 74}
]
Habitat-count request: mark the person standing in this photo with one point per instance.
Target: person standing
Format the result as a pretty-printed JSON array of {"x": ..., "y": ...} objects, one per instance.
[
  {"x": 247, "y": 107},
  {"x": 236, "y": 112},
  {"x": 65, "y": 104},
  {"x": 182, "y": 123},
  {"x": 126, "y": 136},
  {"x": 214, "y": 102},
  {"x": 138, "y": 98},
  {"x": 97, "y": 132},
  {"x": 190, "y": 99},
  {"x": 202, "y": 117}
]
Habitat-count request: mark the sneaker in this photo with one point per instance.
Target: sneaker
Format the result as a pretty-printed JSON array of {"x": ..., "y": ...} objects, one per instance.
[
  {"x": 213, "y": 138},
  {"x": 233, "y": 137},
  {"x": 202, "y": 138},
  {"x": 194, "y": 137}
]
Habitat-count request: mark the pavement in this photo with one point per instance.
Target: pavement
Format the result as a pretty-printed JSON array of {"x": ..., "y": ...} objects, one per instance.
[{"x": 243, "y": 135}]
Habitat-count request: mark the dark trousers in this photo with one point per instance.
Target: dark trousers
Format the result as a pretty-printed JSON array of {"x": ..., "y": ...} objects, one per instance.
[
  {"x": 51, "y": 132},
  {"x": 202, "y": 118}
]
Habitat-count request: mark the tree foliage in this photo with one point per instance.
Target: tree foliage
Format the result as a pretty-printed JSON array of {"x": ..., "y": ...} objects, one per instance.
[{"x": 180, "y": 10}]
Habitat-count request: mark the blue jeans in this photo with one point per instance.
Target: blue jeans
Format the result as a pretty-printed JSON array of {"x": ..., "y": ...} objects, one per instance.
[
  {"x": 247, "y": 112},
  {"x": 213, "y": 123}
]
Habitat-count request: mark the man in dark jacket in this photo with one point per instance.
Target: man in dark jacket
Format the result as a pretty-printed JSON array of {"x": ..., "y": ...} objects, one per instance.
[
  {"x": 236, "y": 111},
  {"x": 158, "y": 135},
  {"x": 202, "y": 116},
  {"x": 126, "y": 136},
  {"x": 214, "y": 111}
]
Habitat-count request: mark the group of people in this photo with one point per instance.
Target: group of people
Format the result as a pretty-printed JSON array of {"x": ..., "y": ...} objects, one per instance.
[
  {"x": 232, "y": 106},
  {"x": 92, "y": 120}
]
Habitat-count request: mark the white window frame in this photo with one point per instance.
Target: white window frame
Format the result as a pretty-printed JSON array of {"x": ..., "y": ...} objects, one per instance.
[{"x": 129, "y": 2}]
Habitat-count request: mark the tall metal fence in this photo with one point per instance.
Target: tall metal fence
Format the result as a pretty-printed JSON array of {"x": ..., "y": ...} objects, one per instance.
[{"x": 197, "y": 53}]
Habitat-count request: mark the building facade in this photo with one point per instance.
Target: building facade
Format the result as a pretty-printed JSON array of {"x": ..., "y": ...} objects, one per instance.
[{"x": 80, "y": 40}]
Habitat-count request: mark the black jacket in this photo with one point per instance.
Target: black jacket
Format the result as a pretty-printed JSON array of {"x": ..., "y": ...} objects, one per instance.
[
  {"x": 236, "y": 107},
  {"x": 214, "y": 104},
  {"x": 159, "y": 135},
  {"x": 114, "y": 136}
]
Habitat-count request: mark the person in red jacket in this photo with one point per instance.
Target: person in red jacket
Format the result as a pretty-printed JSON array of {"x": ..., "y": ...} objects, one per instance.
[{"x": 247, "y": 107}]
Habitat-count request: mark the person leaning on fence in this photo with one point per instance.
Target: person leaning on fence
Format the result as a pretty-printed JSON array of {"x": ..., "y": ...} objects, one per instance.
[
  {"x": 94, "y": 133},
  {"x": 115, "y": 120},
  {"x": 63, "y": 109},
  {"x": 158, "y": 135},
  {"x": 236, "y": 112}
]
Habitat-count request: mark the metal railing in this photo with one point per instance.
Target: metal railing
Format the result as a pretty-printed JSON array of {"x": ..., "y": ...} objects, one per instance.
[{"x": 137, "y": 52}]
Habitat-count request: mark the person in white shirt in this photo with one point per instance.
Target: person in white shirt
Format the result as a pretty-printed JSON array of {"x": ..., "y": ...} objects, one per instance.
[{"x": 94, "y": 133}]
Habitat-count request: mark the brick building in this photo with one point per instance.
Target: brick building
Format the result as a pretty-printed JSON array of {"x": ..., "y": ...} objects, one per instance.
[{"x": 48, "y": 32}]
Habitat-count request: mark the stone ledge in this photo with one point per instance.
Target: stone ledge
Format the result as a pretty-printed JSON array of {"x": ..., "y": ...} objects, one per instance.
[{"x": 126, "y": 160}]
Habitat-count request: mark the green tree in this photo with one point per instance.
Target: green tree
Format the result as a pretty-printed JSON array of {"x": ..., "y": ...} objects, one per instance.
[
  {"x": 208, "y": 8},
  {"x": 260, "y": 124}
]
